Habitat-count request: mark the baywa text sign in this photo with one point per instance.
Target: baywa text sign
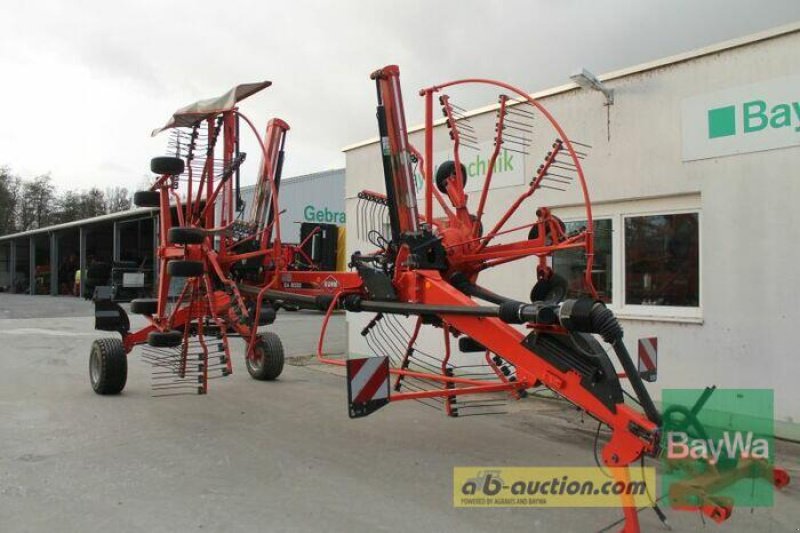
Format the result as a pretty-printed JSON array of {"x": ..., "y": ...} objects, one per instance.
[{"x": 749, "y": 118}]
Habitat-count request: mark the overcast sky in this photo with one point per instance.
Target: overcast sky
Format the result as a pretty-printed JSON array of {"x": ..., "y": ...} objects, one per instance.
[{"x": 84, "y": 82}]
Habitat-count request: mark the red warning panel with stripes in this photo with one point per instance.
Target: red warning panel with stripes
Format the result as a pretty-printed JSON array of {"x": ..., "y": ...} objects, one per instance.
[
  {"x": 648, "y": 358},
  {"x": 367, "y": 385}
]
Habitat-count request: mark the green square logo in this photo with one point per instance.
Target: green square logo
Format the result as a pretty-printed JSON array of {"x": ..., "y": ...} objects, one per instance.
[
  {"x": 722, "y": 122},
  {"x": 718, "y": 447}
]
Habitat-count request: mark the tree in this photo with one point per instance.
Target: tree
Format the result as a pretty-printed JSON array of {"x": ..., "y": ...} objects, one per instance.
[
  {"x": 69, "y": 207},
  {"x": 117, "y": 199},
  {"x": 31, "y": 204},
  {"x": 36, "y": 203},
  {"x": 93, "y": 203},
  {"x": 9, "y": 199}
]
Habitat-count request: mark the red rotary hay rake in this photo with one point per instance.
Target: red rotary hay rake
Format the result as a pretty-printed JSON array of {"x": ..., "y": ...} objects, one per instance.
[{"x": 224, "y": 274}]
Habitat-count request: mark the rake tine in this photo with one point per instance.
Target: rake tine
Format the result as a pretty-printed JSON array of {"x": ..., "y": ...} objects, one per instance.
[
  {"x": 570, "y": 178},
  {"x": 515, "y": 141},
  {"x": 516, "y": 151},
  {"x": 472, "y": 404},
  {"x": 468, "y": 137},
  {"x": 514, "y": 110},
  {"x": 512, "y": 127},
  {"x": 363, "y": 221},
  {"x": 176, "y": 385},
  {"x": 518, "y": 123},
  {"x": 580, "y": 143},
  {"x": 515, "y": 136},
  {"x": 197, "y": 390},
  {"x": 363, "y": 229},
  {"x": 562, "y": 182},
  {"x": 566, "y": 163}
]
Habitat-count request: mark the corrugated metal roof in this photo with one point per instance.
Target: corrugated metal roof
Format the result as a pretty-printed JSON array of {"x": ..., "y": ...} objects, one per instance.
[
  {"x": 131, "y": 213},
  {"x": 630, "y": 71}
]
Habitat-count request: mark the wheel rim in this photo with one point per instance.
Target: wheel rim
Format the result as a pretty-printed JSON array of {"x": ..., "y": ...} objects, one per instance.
[
  {"x": 257, "y": 361},
  {"x": 94, "y": 367}
]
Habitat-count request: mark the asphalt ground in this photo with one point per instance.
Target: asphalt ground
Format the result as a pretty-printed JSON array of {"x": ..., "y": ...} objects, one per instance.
[{"x": 261, "y": 456}]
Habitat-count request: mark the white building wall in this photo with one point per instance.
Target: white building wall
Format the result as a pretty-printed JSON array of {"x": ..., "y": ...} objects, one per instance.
[{"x": 743, "y": 334}]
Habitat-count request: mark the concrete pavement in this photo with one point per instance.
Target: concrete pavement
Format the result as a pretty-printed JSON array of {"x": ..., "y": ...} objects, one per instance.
[{"x": 260, "y": 456}]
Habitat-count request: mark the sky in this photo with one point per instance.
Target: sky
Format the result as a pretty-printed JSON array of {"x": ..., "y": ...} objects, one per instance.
[{"x": 83, "y": 82}]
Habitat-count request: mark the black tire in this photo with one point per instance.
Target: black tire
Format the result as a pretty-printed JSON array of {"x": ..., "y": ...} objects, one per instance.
[
  {"x": 165, "y": 339},
  {"x": 108, "y": 366},
  {"x": 550, "y": 290},
  {"x": 181, "y": 235},
  {"x": 269, "y": 358},
  {"x": 147, "y": 199},
  {"x": 144, "y": 306},
  {"x": 445, "y": 170},
  {"x": 167, "y": 165},
  {"x": 185, "y": 269}
]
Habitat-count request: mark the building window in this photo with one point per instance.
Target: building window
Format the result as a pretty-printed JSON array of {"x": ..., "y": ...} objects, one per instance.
[
  {"x": 571, "y": 264},
  {"x": 662, "y": 265}
]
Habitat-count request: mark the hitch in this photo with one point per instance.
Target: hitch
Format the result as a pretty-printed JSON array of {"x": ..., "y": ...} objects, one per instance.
[{"x": 109, "y": 315}]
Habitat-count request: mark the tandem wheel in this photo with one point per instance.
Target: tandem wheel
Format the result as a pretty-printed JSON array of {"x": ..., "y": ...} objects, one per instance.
[
  {"x": 108, "y": 366},
  {"x": 267, "y": 364}
]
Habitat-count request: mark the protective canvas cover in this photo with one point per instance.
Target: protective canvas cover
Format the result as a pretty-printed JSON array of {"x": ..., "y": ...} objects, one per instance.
[{"x": 192, "y": 113}]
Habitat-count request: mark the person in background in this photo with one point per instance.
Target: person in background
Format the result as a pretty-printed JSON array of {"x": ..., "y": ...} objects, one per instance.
[
  {"x": 76, "y": 287},
  {"x": 66, "y": 273}
]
